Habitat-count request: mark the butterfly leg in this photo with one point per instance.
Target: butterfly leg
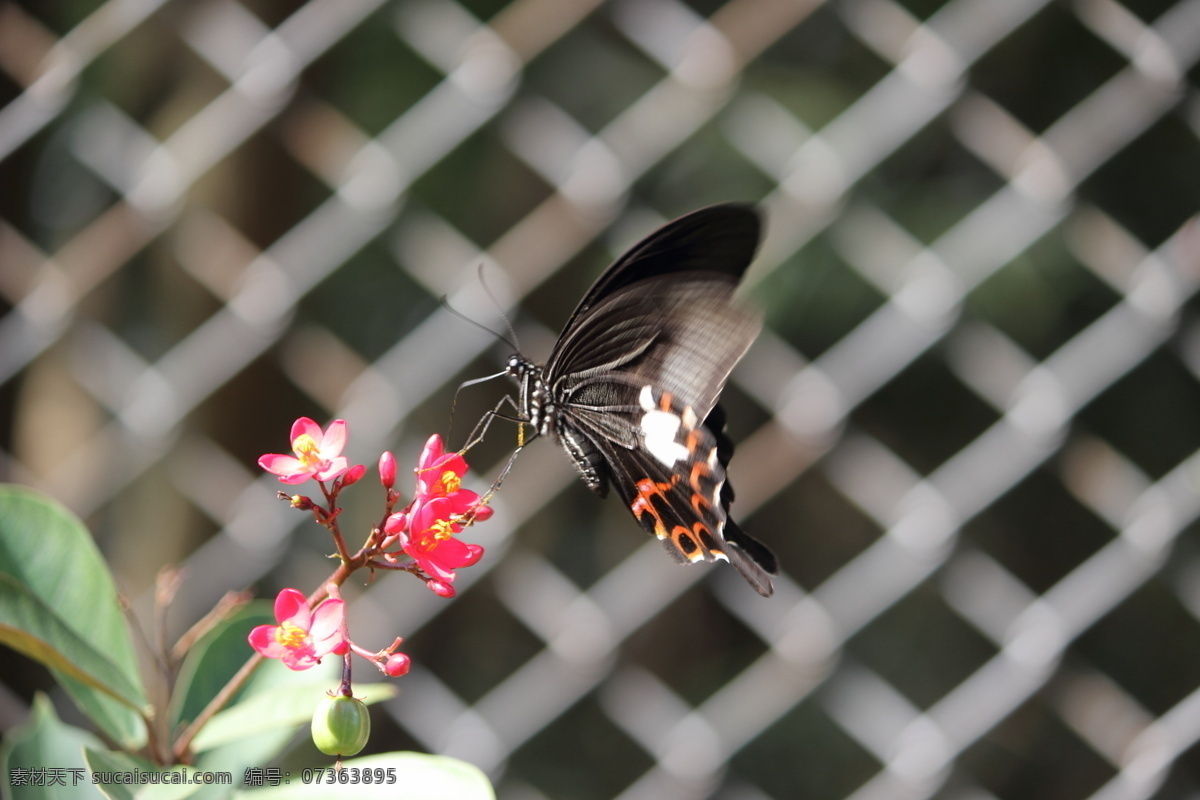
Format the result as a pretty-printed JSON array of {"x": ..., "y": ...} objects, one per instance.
[
  {"x": 481, "y": 429},
  {"x": 485, "y": 422},
  {"x": 508, "y": 465}
]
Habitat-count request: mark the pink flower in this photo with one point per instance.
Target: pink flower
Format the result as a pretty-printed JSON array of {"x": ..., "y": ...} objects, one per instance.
[
  {"x": 439, "y": 474},
  {"x": 318, "y": 454},
  {"x": 430, "y": 540},
  {"x": 302, "y": 636}
]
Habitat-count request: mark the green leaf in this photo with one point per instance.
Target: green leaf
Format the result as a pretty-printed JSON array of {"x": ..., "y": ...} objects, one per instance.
[
  {"x": 168, "y": 784},
  {"x": 215, "y": 659},
  {"x": 46, "y": 743},
  {"x": 271, "y": 736},
  {"x": 47, "y": 555},
  {"x": 30, "y": 627},
  {"x": 416, "y": 777}
]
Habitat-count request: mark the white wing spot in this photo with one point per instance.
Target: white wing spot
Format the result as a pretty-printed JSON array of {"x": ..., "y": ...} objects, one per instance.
[
  {"x": 646, "y": 399},
  {"x": 660, "y": 430}
]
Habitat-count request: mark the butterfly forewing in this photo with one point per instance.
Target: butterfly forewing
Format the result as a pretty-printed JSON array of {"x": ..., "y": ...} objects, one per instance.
[
  {"x": 680, "y": 334},
  {"x": 719, "y": 238}
]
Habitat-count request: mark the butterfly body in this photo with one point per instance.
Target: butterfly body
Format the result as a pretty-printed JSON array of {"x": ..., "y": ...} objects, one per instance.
[{"x": 630, "y": 390}]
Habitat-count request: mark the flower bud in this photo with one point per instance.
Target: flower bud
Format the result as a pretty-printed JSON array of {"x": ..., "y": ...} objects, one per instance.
[
  {"x": 354, "y": 475},
  {"x": 479, "y": 512},
  {"x": 387, "y": 469},
  {"x": 395, "y": 523},
  {"x": 441, "y": 588},
  {"x": 397, "y": 664},
  {"x": 341, "y": 726}
]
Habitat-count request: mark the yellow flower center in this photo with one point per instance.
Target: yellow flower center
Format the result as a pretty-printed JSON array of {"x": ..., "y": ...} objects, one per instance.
[
  {"x": 307, "y": 450},
  {"x": 451, "y": 481},
  {"x": 442, "y": 530},
  {"x": 290, "y": 636}
]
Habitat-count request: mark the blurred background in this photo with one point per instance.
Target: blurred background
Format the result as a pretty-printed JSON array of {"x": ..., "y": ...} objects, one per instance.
[{"x": 970, "y": 428}]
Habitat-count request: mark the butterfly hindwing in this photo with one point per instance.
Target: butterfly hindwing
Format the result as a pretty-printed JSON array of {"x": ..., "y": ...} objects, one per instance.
[{"x": 674, "y": 484}]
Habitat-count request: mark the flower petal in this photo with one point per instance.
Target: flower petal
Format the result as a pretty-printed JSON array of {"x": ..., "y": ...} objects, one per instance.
[
  {"x": 428, "y": 565},
  {"x": 304, "y": 425},
  {"x": 327, "y": 621},
  {"x": 452, "y": 462},
  {"x": 299, "y": 658},
  {"x": 282, "y": 465},
  {"x": 263, "y": 639},
  {"x": 432, "y": 452},
  {"x": 292, "y": 607},
  {"x": 333, "y": 469},
  {"x": 447, "y": 556},
  {"x": 475, "y": 552},
  {"x": 334, "y": 439},
  {"x": 454, "y": 553},
  {"x": 429, "y": 513}
]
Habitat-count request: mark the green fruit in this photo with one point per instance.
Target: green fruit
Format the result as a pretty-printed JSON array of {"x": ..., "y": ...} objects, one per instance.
[{"x": 340, "y": 726}]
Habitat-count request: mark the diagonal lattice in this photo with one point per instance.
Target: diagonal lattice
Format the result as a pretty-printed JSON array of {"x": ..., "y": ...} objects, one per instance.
[{"x": 968, "y": 428}]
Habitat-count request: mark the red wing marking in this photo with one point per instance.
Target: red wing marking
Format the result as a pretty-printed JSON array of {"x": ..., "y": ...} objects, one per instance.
[
  {"x": 644, "y": 503},
  {"x": 678, "y": 499}
]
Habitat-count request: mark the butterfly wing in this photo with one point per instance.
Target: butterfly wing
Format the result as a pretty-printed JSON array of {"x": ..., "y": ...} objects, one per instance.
[
  {"x": 721, "y": 238},
  {"x": 675, "y": 485},
  {"x": 681, "y": 334}
]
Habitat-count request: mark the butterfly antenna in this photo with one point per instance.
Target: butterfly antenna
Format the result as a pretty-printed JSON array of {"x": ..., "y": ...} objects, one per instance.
[
  {"x": 446, "y": 304},
  {"x": 516, "y": 343}
]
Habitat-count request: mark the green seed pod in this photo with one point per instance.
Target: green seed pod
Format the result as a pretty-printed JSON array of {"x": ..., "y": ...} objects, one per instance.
[{"x": 341, "y": 726}]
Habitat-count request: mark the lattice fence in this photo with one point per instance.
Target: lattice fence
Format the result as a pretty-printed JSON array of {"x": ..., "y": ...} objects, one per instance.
[{"x": 971, "y": 428}]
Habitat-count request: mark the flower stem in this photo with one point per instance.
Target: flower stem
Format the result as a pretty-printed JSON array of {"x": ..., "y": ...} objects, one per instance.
[
  {"x": 345, "y": 689},
  {"x": 331, "y": 522}
]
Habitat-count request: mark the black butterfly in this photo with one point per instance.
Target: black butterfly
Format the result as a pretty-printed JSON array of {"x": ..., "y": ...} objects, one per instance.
[{"x": 631, "y": 387}]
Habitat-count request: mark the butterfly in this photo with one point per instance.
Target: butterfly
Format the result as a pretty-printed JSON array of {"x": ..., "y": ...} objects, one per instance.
[{"x": 630, "y": 389}]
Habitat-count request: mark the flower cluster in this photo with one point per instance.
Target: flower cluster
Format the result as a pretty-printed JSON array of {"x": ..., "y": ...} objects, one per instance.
[
  {"x": 424, "y": 532},
  {"x": 441, "y": 508}
]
